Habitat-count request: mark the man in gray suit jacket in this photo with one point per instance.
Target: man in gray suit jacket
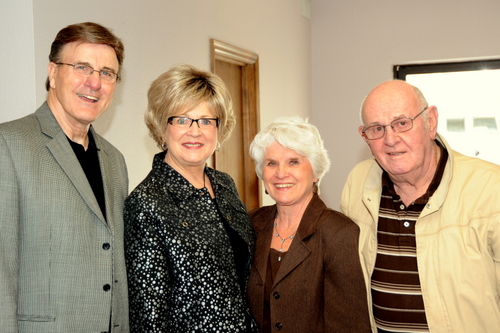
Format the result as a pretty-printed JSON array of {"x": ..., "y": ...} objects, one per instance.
[{"x": 62, "y": 188}]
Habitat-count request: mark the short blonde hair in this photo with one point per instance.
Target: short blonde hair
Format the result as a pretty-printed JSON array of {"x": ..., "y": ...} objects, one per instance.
[
  {"x": 182, "y": 88},
  {"x": 293, "y": 133}
]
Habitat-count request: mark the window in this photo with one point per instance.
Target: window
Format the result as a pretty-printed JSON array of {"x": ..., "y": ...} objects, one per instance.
[{"x": 467, "y": 95}]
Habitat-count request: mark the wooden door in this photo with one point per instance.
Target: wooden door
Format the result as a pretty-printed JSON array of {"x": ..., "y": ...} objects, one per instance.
[{"x": 238, "y": 68}]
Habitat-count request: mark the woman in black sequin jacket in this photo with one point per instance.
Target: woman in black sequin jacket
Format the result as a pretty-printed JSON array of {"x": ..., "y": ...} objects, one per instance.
[{"x": 188, "y": 238}]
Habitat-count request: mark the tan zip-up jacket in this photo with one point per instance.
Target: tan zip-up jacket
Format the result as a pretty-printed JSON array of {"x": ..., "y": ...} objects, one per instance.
[{"x": 458, "y": 241}]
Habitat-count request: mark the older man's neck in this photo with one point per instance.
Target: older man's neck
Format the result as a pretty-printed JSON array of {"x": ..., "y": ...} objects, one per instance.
[{"x": 412, "y": 186}]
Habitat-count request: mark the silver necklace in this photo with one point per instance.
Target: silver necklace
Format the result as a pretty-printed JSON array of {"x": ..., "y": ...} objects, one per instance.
[{"x": 282, "y": 240}]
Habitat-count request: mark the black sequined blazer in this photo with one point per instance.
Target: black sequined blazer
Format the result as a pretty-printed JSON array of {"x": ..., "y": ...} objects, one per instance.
[{"x": 180, "y": 264}]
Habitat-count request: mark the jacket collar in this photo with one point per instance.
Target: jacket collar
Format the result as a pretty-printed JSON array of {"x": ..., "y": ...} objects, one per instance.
[
  {"x": 66, "y": 158},
  {"x": 437, "y": 199},
  {"x": 373, "y": 186},
  {"x": 263, "y": 219},
  {"x": 183, "y": 189}
]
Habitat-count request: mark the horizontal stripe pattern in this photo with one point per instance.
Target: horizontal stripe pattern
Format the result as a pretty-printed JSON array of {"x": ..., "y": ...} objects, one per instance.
[{"x": 397, "y": 296}]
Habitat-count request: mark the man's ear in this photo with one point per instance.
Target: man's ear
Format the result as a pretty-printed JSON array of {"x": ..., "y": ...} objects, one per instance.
[
  {"x": 51, "y": 72},
  {"x": 360, "y": 130},
  {"x": 432, "y": 116}
]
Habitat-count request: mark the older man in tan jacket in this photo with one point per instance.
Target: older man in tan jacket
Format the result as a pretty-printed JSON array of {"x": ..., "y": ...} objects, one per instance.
[{"x": 429, "y": 221}]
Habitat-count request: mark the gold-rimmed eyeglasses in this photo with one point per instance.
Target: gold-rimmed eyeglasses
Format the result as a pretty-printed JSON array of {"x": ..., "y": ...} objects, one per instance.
[
  {"x": 399, "y": 125},
  {"x": 86, "y": 70}
]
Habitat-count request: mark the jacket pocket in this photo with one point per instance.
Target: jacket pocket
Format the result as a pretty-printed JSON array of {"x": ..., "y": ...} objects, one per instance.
[{"x": 35, "y": 318}]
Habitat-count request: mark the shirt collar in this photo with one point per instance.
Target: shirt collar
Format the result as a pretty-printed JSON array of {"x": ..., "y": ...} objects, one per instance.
[{"x": 388, "y": 185}]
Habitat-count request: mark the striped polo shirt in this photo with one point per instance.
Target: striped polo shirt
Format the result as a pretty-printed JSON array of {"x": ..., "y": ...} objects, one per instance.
[{"x": 398, "y": 305}]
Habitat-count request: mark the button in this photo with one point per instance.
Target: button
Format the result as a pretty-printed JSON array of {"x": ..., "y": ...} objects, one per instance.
[
  {"x": 278, "y": 326},
  {"x": 106, "y": 246},
  {"x": 106, "y": 287},
  {"x": 185, "y": 224},
  {"x": 406, "y": 224},
  {"x": 402, "y": 207},
  {"x": 228, "y": 217},
  {"x": 276, "y": 295}
]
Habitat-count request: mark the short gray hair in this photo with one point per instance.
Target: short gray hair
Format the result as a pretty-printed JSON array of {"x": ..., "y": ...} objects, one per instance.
[{"x": 293, "y": 133}]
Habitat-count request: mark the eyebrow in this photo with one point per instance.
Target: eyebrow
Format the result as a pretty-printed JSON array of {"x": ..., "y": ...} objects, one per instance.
[
  {"x": 202, "y": 117},
  {"x": 88, "y": 64},
  {"x": 379, "y": 123}
]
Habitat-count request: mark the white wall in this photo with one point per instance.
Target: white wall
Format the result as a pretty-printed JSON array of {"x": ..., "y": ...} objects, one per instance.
[
  {"x": 160, "y": 33},
  {"x": 354, "y": 46},
  {"x": 17, "y": 55},
  {"x": 356, "y": 43}
]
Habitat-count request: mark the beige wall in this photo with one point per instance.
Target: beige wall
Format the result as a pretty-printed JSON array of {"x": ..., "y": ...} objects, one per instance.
[
  {"x": 321, "y": 68},
  {"x": 356, "y": 43},
  {"x": 17, "y": 55},
  {"x": 160, "y": 33}
]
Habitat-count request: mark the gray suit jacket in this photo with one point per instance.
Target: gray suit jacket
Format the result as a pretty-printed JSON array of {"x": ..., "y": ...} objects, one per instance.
[{"x": 62, "y": 265}]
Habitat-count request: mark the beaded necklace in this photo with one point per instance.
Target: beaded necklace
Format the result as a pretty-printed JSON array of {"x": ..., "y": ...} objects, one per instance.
[{"x": 282, "y": 240}]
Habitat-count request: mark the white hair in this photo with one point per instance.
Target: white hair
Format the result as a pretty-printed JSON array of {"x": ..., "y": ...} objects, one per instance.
[{"x": 293, "y": 133}]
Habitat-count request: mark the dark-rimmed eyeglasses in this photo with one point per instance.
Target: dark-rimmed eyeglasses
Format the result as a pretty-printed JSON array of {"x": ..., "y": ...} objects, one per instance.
[
  {"x": 399, "y": 125},
  {"x": 185, "y": 122},
  {"x": 85, "y": 70}
]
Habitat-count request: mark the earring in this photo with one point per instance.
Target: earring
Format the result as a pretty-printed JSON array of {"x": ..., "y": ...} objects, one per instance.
[
  {"x": 164, "y": 145},
  {"x": 217, "y": 146}
]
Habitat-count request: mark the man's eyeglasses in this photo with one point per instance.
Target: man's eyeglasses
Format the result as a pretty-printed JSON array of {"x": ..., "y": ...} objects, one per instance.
[
  {"x": 399, "y": 126},
  {"x": 85, "y": 70},
  {"x": 185, "y": 122}
]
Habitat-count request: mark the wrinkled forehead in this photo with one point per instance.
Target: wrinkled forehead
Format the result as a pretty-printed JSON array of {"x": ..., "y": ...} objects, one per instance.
[
  {"x": 385, "y": 105},
  {"x": 382, "y": 116}
]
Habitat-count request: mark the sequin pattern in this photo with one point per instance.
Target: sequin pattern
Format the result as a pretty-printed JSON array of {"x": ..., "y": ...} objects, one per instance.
[{"x": 180, "y": 263}]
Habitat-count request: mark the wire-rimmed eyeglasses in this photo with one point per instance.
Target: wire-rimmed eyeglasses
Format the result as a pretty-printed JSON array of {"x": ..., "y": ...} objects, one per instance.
[
  {"x": 185, "y": 122},
  {"x": 85, "y": 70},
  {"x": 399, "y": 125}
]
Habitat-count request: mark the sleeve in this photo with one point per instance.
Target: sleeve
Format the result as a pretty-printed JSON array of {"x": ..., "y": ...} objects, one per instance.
[
  {"x": 346, "y": 308},
  {"x": 9, "y": 235},
  {"x": 147, "y": 270}
]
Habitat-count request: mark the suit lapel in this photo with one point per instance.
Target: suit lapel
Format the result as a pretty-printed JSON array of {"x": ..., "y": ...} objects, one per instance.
[
  {"x": 299, "y": 251},
  {"x": 107, "y": 175},
  {"x": 262, "y": 221},
  {"x": 63, "y": 153},
  {"x": 296, "y": 254}
]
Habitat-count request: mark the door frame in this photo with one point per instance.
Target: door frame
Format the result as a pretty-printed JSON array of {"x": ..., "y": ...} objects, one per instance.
[{"x": 249, "y": 63}]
